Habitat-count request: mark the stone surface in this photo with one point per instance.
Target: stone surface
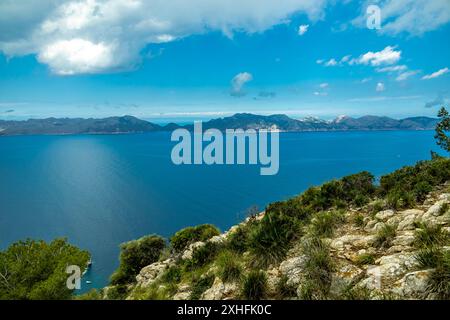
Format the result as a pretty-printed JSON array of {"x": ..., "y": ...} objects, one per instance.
[
  {"x": 292, "y": 268},
  {"x": 151, "y": 273},
  {"x": 219, "y": 290},
  {"x": 385, "y": 214},
  {"x": 412, "y": 285}
]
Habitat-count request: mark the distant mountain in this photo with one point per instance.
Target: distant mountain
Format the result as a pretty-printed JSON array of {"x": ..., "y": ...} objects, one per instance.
[
  {"x": 126, "y": 124},
  {"x": 342, "y": 123},
  {"x": 129, "y": 124}
]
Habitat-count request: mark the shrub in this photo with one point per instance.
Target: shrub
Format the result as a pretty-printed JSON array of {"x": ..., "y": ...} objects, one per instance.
[
  {"x": 238, "y": 240},
  {"x": 92, "y": 294},
  {"x": 255, "y": 286},
  {"x": 271, "y": 238},
  {"x": 189, "y": 235},
  {"x": 429, "y": 257},
  {"x": 429, "y": 235},
  {"x": 172, "y": 275},
  {"x": 37, "y": 270},
  {"x": 358, "y": 220},
  {"x": 377, "y": 206},
  {"x": 229, "y": 268},
  {"x": 365, "y": 259},
  {"x": 397, "y": 199},
  {"x": 135, "y": 255},
  {"x": 439, "y": 279},
  {"x": 201, "y": 256},
  {"x": 324, "y": 223},
  {"x": 285, "y": 290},
  {"x": 199, "y": 285},
  {"x": 318, "y": 270},
  {"x": 418, "y": 178},
  {"x": 444, "y": 208},
  {"x": 385, "y": 236}
]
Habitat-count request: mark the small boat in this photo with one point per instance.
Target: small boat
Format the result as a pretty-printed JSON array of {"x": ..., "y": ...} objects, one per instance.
[{"x": 88, "y": 281}]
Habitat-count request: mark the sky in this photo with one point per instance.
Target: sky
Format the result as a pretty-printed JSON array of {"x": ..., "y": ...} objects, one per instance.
[{"x": 200, "y": 59}]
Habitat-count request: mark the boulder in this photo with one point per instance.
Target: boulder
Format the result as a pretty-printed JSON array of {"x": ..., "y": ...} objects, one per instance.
[
  {"x": 220, "y": 290},
  {"x": 293, "y": 268},
  {"x": 412, "y": 285},
  {"x": 151, "y": 273},
  {"x": 385, "y": 214}
]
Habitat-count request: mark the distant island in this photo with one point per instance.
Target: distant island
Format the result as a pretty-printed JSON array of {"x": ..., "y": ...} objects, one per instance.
[{"x": 130, "y": 124}]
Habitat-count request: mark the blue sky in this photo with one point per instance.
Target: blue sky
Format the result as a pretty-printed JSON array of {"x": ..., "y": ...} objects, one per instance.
[{"x": 112, "y": 57}]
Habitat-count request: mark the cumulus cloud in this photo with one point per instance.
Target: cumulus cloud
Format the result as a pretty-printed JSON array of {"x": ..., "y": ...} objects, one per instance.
[
  {"x": 413, "y": 17},
  {"x": 331, "y": 63},
  {"x": 238, "y": 82},
  {"x": 380, "y": 87},
  {"x": 387, "y": 56},
  {"x": 303, "y": 29},
  {"x": 114, "y": 32},
  {"x": 436, "y": 74}
]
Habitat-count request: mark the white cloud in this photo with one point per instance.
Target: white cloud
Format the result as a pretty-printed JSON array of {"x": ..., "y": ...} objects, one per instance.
[
  {"x": 380, "y": 87},
  {"x": 238, "y": 82},
  {"x": 320, "y": 93},
  {"x": 397, "y": 68},
  {"x": 319, "y": 61},
  {"x": 387, "y": 56},
  {"x": 323, "y": 85},
  {"x": 436, "y": 74},
  {"x": 303, "y": 29},
  {"x": 413, "y": 17},
  {"x": 405, "y": 75},
  {"x": 365, "y": 80},
  {"x": 123, "y": 28},
  {"x": 331, "y": 63}
]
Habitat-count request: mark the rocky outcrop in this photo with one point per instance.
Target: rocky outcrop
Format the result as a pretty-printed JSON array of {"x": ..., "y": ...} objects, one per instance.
[{"x": 388, "y": 271}]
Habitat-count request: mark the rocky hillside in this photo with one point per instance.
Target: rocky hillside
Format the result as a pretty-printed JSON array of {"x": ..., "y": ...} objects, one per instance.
[{"x": 348, "y": 239}]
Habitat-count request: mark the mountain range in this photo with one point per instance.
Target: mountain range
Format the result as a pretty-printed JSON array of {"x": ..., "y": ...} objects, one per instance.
[{"x": 130, "y": 124}]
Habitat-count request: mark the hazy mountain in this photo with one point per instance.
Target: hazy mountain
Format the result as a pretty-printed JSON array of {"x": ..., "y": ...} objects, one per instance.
[
  {"x": 126, "y": 124},
  {"x": 129, "y": 124}
]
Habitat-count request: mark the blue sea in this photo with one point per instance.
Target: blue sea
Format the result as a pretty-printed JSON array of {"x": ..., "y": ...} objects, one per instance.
[{"x": 102, "y": 190}]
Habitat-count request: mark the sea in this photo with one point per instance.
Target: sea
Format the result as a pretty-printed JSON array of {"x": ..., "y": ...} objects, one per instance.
[{"x": 99, "y": 191}]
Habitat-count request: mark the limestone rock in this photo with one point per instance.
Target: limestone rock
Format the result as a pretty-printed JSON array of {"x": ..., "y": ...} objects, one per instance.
[
  {"x": 293, "y": 268},
  {"x": 384, "y": 215},
  {"x": 187, "y": 254},
  {"x": 413, "y": 284},
  {"x": 219, "y": 290},
  {"x": 151, "y": 273}
]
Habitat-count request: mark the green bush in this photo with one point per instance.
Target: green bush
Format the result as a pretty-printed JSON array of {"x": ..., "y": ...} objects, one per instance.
[
  {"x": 199, "y": 285},
  {"x": 285, "y": 290},
  {"x": 365, "y": 259},
  {"x": 439, "y": 280},
  {"x": 201, "y": 256},
  {"x": 419, "y": 178},
  {"x": 324, "y": 223},
  {"x": 36, "y": 270},
  {"x": 238, "y": 240},
  {"x": 136, "y": 254},
  {"x": 358, "y": 220},
  {"x": 172, "y": 275},
  {"x": 385, "y": 236},
  {"x": 254, "y": 286},
  {"x": 189, "y": 235},
  {"x": 271, "y": 238},
  {"x": 429, "y": 257},
  {"x": 318, "y": 270},
  {"x": 430, "y": 235},
  {"x": 229, "y": 268}
]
